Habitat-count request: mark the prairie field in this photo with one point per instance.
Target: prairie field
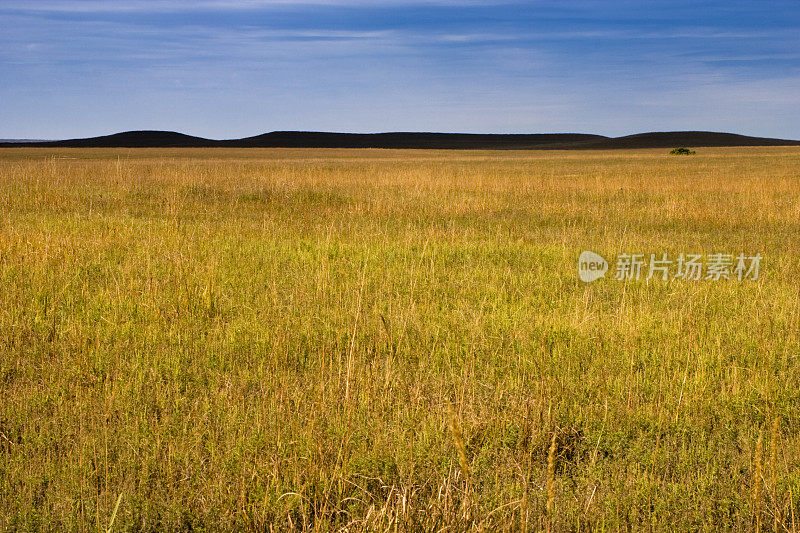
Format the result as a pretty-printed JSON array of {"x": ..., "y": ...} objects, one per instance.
[{"x": 379, "y": 340}]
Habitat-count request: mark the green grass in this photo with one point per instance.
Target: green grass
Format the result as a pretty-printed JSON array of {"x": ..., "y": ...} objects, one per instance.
[{"x": 245, "y": 339}]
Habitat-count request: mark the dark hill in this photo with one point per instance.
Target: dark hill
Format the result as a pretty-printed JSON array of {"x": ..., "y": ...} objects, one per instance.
[
  {"x": 671, "y": 139},
  {"x": 131, "y": 139},
  {"x": 309, "y": 139}
]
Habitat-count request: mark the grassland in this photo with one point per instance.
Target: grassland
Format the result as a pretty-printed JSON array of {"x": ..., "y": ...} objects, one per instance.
[{"x": 375, "y": 340}]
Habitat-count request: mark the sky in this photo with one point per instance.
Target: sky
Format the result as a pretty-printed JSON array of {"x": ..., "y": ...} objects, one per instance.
[{"x": 230, "y": 69}]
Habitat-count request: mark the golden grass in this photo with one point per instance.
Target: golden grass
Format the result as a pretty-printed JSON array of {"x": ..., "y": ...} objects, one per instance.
[{"x": 374, "y": 339}]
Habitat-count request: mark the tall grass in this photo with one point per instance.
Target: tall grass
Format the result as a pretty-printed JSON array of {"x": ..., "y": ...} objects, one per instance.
[{"x": 374, "y": 340}]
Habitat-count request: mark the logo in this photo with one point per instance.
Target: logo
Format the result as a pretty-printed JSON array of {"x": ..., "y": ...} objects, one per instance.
[
  {"x": 591, "y": 266},
  {"x": 716, "y": 266}
]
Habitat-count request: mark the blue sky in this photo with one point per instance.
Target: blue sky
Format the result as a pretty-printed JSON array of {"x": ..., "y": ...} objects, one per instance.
[{"x": 225, "y": 69}]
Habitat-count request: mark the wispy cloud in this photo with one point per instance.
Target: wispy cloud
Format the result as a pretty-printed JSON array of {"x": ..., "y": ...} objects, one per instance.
[{"x": 175, "y": 6}]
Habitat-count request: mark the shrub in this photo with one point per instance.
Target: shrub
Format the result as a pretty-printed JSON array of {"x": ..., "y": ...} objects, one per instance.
[{"x": 682, "y": 151}]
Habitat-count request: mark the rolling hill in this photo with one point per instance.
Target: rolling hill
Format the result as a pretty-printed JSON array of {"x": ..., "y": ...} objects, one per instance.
[{"x": 414, "y": 140}]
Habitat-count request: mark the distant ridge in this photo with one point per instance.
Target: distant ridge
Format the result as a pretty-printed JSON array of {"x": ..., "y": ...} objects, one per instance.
[
  {"x": 310, "y": 139},
  {"x": 414, "y": 140},
  {"x": 131, "y": 139},
  {"x": 671, "y": 139}
]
